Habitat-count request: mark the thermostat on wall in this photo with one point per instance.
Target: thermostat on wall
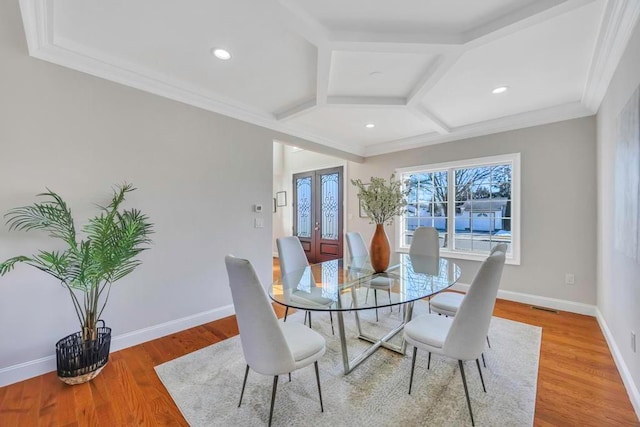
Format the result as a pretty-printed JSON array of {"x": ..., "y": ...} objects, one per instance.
[{"x": 258, "y": 208}]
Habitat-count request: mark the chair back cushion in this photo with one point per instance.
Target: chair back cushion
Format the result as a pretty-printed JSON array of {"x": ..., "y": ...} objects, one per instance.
[
  {"x": 425, "y": 241},
  {"x": 263, "y": 344},
  {"x": 357, "y": 248},
  {"x": 291, "y": 254},
  {"x": 466, "y": 337},
  {"x": 500, "y": 247}
]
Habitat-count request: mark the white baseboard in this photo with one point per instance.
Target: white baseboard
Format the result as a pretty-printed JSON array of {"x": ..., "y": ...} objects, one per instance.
[
  {"x": 32, "y": 368},
  {"x": 554, "y": 303},
  {"x": 632, "y": 389}
]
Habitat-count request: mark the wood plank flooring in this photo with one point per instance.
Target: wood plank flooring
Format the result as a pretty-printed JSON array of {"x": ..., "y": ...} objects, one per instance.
[{"x": 578, "y": 383}]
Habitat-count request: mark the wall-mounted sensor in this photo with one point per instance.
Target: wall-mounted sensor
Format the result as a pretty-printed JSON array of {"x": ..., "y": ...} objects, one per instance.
[{"x": 257, "y": 208}]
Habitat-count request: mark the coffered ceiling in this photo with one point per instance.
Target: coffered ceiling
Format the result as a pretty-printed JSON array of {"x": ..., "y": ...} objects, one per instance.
[{"x": 421, "y": 71}]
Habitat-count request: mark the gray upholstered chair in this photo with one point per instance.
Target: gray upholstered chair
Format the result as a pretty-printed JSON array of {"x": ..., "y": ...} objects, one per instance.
[
  {"x": 358, "y": 249},
  {"x": 460, "y": 337},
  {"x": 270, "y": 347},
  {"x": 292, "y": 259}
]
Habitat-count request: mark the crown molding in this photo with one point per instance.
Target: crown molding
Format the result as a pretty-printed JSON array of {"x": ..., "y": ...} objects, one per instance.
[
  {"x": 618, "y": 22},
  {"x": 572, "y": 110}
]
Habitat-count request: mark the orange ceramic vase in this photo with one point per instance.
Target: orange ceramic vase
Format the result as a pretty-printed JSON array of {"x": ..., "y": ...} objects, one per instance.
[{"x": 380, "y": 250}]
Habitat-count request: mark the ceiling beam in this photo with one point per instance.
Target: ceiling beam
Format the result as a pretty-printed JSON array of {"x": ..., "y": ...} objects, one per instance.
[
  {"x": 366, "y": 101},
  {"x": 533, "y": 14},
  {"x": 323, "y": 74},
  {"x": 389, "y": 46},
  {"x": 393, "y": 42},
  {"x": 435, "y": 71},
  {"x": 618, "y": 22},
  {"x": 296, "y": 110},
  {"x": 427, "y": 116},
  {"x": 302, "y": 23}
]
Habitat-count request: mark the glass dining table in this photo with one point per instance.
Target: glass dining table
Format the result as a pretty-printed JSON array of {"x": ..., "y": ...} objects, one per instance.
[{"x": 338, "y": 287}]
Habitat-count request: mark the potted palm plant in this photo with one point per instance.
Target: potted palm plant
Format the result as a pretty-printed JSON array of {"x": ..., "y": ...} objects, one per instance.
[
  {"x": 86, "y": 267},
  {"x": 381, "y": 202}
]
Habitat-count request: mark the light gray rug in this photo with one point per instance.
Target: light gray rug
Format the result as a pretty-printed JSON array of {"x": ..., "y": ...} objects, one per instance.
[{"x": 206, "y": 384}]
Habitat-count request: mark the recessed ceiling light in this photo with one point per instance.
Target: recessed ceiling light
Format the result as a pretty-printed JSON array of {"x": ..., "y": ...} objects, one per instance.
[
  {"x": 500, "y": 89},
  {"x": 369, "y": 125},
  {"x": 221, "y": 54}
]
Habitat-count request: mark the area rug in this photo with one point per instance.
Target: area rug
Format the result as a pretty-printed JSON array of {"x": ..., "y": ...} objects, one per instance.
[{"x": 206, "y": 384}]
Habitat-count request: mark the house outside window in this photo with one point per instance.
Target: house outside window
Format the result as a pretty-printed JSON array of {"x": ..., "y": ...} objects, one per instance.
[{"x": 474, "y": 204}]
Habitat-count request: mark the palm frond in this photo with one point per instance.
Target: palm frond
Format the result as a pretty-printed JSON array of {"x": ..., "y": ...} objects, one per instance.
[
  {"x": 52, "y": 216},
  {"x": 10, "y": 264}
]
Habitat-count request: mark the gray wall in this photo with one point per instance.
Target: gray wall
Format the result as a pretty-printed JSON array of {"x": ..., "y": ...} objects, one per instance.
[
  {"x": 558, "y": 203},
  {"x": 198, "y": 175},
  {"x": 618, "y": 275}
]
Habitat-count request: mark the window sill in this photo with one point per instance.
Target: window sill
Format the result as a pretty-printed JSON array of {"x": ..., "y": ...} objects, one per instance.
[{"x": 510, "y": 260}]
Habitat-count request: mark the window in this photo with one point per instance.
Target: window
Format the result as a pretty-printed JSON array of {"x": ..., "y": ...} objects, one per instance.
[{"x": 474, "y": 205}]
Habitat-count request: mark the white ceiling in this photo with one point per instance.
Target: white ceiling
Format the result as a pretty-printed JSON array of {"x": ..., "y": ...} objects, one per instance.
[{"x": 421, "y": 70}]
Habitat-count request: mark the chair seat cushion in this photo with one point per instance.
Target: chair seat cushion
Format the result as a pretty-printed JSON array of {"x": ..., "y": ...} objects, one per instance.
[
  {"x": 379, "y": 283},
  {"x": 306, "y": 344},
  {"x": 429, "y": 329},
  {"x": 446, "y": 303},
  {"x": 312, "y": 298}
]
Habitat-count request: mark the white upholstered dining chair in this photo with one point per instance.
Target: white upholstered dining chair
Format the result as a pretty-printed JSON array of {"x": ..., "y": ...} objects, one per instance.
[
  {"x": 358, "y": 249},
  {"x": 292, "y": 259},
  {"x": 426, "y": 242},
  {"x": 269, "y": 347},
  {"x": 447, "y": 303},
  {"x": 461, "y": 337}
]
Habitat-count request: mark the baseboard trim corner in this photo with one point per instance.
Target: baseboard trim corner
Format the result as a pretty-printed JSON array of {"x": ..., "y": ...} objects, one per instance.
[
  {"x": 627, "y": 379},
  {"x": 22, "y": 371}
]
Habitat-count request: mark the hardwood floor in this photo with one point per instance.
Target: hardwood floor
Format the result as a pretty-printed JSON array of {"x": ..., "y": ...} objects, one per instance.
[{"x": 578, "y": 383}]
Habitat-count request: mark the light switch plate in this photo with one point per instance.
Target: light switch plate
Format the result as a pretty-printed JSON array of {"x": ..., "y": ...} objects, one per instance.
[{"x": 258, "y": 223}]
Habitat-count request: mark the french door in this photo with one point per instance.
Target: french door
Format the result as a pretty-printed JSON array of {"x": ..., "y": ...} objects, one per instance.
[{"x": 318, "y": 213}]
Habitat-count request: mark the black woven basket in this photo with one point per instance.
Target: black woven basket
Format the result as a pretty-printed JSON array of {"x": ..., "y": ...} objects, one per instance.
[{"x": 77, "y": 358}]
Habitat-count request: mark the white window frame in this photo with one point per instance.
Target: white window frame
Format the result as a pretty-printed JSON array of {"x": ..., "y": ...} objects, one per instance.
[{"x": 514, "y": 158}]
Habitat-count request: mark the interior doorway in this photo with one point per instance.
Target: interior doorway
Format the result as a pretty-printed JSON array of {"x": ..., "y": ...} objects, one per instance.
[{"x": 318, "y": 205}]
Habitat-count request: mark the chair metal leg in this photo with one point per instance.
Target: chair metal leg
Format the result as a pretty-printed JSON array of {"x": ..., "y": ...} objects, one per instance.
[
  {"x": 429, "y": 361},
  {"x": 289, "y": 376},
  {"x": 273, "y": 397},
  {"x": 286, "y": 312},
  {"x": 480, "y": 372},
  {"x": 319, "y": 389},
  {"x": 390, "y": 307},
  {"x": 375, "y": 299},
  {"x": 488, "y": 342},
  {"x": 466, "y": 390},
  {"x": 244, "y": 383},
  {"x": 331, "y": 317},
  {"x": 366, "y": 297},
  {"x": 413, "y": 365},
  {"x": 306, "y": 314},
  {"x": 429, "y": 300},
  {"x": 483, "y": 362},
  {"x": 309, "y": 319}
]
